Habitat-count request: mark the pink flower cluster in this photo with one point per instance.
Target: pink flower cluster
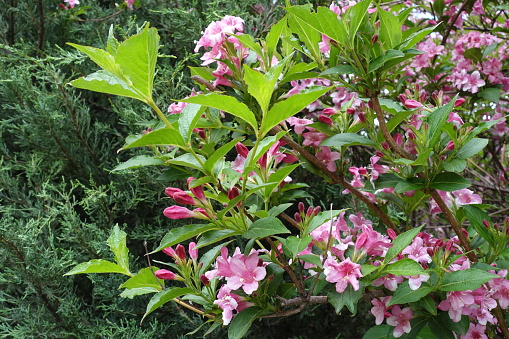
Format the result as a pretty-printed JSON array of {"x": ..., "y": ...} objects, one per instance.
[
  {"x": 461, "y": 197},
  {"x": 204, "y": 211}
]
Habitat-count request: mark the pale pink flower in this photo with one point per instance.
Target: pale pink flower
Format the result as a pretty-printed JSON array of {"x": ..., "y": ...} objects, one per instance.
[
  {"x": 193, "y": 252},
  {"x": 230, "y": 302},
  {"x": 417, "y": 251},
  {"x": 129, "y": 3},
  {"x": 299, "y": 124},
  {"x": 380, "y": 309},
  {"x": 415, "y": 281},
  {"x": 401, "y": 319},
  {"x": 343, "y": 273},
  {"x": 72, "y": 3},
  {"x": 455, "y": 303},
  {"x": 313, "y": 139},
  {"x": 390, "y": 281},
  {"x": 466, "y": 197}
]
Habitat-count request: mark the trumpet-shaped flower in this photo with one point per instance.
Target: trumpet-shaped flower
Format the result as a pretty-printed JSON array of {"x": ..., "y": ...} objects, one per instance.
[{"x": 343, "y": 273}]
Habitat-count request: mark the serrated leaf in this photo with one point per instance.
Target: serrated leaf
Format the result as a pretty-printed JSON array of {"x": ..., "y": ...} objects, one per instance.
[
  {"x": 242, "y": 322},
  {"x": 341, "y": 69},
  {"x": 382, "y": 59},
  {"x": 188, "y": 160},
  {"x": 492, "y": 94},
  {"x": 219, "y": 154},
  {"x": 284, "y": 109},
  {"x": 449, "y": 182},
  {"x": 106, "y": 82},
  {"x": 406, "y": 267},
  {"x": 404, "y": 294},
  {"x": 297, "y": 245},
  {"x": 390, "y": 29},
  {"x": 188, "y": 119},
  {"x": 347, "y": 139},
  {"x": 469, "y": 279},
  {"x": 98, "y": 266},
  {"x": 159, "y": 137},
  {"x": 145, "y": 278},
  {"x": 180, "y": 234},
  {"x": 455, "y": 165},
  {"x": 213, "y": 236},
  {"x": 416, "y": 37},
  {"x": 277, "y": 210},
  {"x": 139, "y": 161},
  {"x": 163, "y": 297},
  {"x": 312, "y": 259},
  {"x": 133, "y": 292},
  {"x": 436, "y": 121},
  {"x": 117, "y": 243},
  {"x": 471, "y": 148},
  {"x": 348, "y": 298},
  {"x": 265, "y": 227},
  {"x": 225, "y": 103},
  {"x": 400, "y": 243}
]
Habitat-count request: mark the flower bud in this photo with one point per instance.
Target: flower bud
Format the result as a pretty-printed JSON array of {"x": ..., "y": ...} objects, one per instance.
[
  {"x": 374, "y": 39},
  {"x": 392, "y": 235},
  {"x": 423, "y": 97},
  {"x": 301, "y": 207},
  {"x": 350, "y": 110},
  {"x": 170, "y": 251},
  {"x": 459, "y": 102},
  {"x": 297, "y": 217},
  {"x": 181, "y": 252},
  {"x": 233, "y": 193},
  {"x": 411, "y": 104},
  {"x": 330, "y": 111},
  {"x": 309, "y": 212},
  {"x": 325, "y": 119},
  {"x": 362, "y": 117},
  {"x": 385, "y": 145},
  {"x": 193, "y": 252},
  {"x": 379, "y": 154},
  {"x": 486, "y": 223},
  {"x": 402, "y": 98},
  {"x": 165, "y": 274},
  {"x": 204, "y": 280},
  {"x": 316, "y": 210},
  {"x": 184, "y": 198},
  {"x": 197, "y": 191},
  {"x": 450, "y": 146},
  {"x": 241, "y": 150}
]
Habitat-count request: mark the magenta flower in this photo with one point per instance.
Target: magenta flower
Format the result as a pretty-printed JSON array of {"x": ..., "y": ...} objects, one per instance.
[
  {"x": 246, "y": 273},
  {"x": 328, "y": 158},
  {"x": 183, "y": 198},
  {"x": 179, "y": 212},
  {"x": 401, "y": 319},
  {"x": 411, "y": 104},
  {"x": 197, "y": 191},
  {"x": 313, "y": 138},
  {"x": 343, "y": 273},
  {"x": 390, "y": 281},
  {"x": 475, "y": 331}
]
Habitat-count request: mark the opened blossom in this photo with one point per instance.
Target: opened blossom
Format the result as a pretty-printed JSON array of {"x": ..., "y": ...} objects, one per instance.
[
  {"x": 401, "y": 319},
  {"x": 343, "y": 273},
  {"x": 230, "y": 302}
]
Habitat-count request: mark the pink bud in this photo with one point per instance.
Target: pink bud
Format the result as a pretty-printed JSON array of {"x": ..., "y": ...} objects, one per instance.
[
  {"x": 385, "y": 145},
  {"x": 459, "y": 102},
  {"x": 391, "y": 233},
  {"x": 184, "y": 198},
  {"x": 242, "y": 150},
  {"x": 233, "y": 193},
  {"x": 309, "y": 212},
  {"x": 350, "y": 110},
  {"x": 289, "y": 158},
  {"x": 362, "y": 117},
  {"x": 361, "y": 240},
  {"x": 204, "y": 280},
  {"x": 411, "y": 104},
  {"x": 422, "y": 97},
  {"x": 178, "y": 212},
  {"x": 197, "y": 191},
  {"x": 450, "y": 146},
  {"x": 301, "y": 207},
  {"x": 316, "y": 210},
  {"x": 181, "y": 252},
  {"x": 402, "y": 98},
  {"x": 374, "y": 39},
  {"x": 297, "y": 217},
  {"x": 170, "y": 251},
  {"x": 170, "y": 191},
  {"x": 325, "y": 119},
  {"x": 263, "y": 161},
  {"x": 193, "y": 252},
  {"x": 486, "y": 223},
  {"x": 201, "y": 213},
  {"x": 330, "y": 111},
  {"x": 165, "y": 274}
]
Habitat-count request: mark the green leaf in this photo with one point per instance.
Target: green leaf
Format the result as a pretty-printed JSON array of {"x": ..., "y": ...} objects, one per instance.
[
  {"x": 436, "y": 121},
  {"x": 400, "y": 243},
  {"x": 416, "y": 37},
  {"x": 393, "y": 107},
  {"x": 274, "y": 34},
  {"x": 440, "y": 329},
  {"x": 98, "y": 266},
  {"x": 297, "y": 245},
  {"x": 390, "y": 29},
  {"x": 449, "y": 181},
  {"x": 219, "y": 154},
  {"x": 225, "y": 103},
  {"x": 277, "y": 210},
  {"x": 265, "y": 227},
  {"x": 242, "y": 322},
  {"x": 405, "y": 267},
  {"x": 188, "y": 160},
  {"x": 101, "y": 57},
  {"x": 208, "y": 258},
  {"x": 356, "y": 15},
  {"x": 117, "y": 243},
  {"x": 429, "y": 304},
  {"x": 492, "y": 94},
  {"x": 471, "y": 148},
  {"x": 312, "y": 259},
  {"x": 455, "y": 165},
  {"x": 469, "y": 279},
  {"x": 379, "y": 332},
  {"x": 213, "y": 236},
  {"x": 159, "y": 137},
  {"x": 476, "y": 216},
  {"x": 180, "y": 234},
  {"x": 367, "y": 269},
  {"x": 139, "y": 161},
  {"x": 137, "y": 57},
  {"x": 164, "y": 296},
  {"x": 382, "y": 59},
  {"x": 473, "y": 54},
  {"x": 284, "y": 109},
  {"x": 144, "y": 279},
  {"x": 249, "y": 42},
  {"x": 348, "y": 298},
  {"x": 188, "y": 120},
  {"x": 409, "y": 184},
  {"x": 347, "y": 139},
  {"x": 106, "y": 82},
  {"x": 277, "y": 177},
  {"x": 133, "y": 292},
  {"x": 404, "y": 294},
  {"x": 341, "y": 69},
  {"x": 387, "y": 180}
]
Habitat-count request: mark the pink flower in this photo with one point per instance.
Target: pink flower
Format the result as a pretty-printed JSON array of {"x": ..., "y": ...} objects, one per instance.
[
  {"x": 230, "y": 302},
  {"x": 411, "y": 104},
  {"x": 193, "y": 252},
  {"x": 328, "y": 158},
  {"x": 343, "y": 273},
  {"x": 417, "y": 251},
  {"x": 129, "y": 3},
  {"x": 313, "y": 138},
  {"x": 475, "y": 331},
  {"x": 380, "y": 310},
  {"x": 72, "y": 3},
  {"x": 183, "y": 198},
  {"x": 197, "y": 191},
  {"x": 401, "y": 319},
  {"x": 456, "y": 302},
  {"x": 390, "y": 281},
  {"x": 298, "y": 124},
  {"x": 466, "y": 197},
  {"x": 165, "y": 274}
]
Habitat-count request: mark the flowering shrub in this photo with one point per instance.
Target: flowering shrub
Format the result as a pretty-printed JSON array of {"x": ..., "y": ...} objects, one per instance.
[{"x": 319, "y": 83}]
